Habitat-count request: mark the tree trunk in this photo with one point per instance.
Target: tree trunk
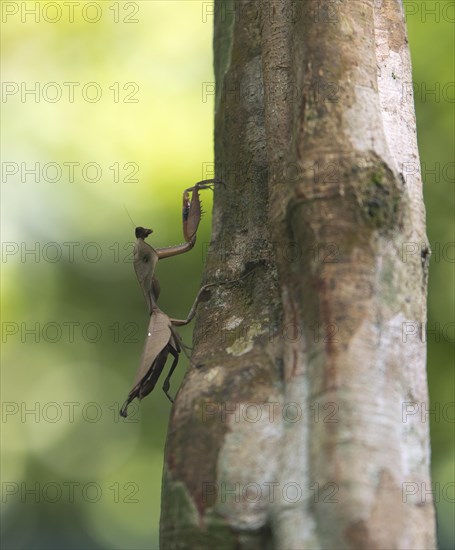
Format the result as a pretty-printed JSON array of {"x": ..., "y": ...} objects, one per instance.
[{"x": 295, "y": 426}]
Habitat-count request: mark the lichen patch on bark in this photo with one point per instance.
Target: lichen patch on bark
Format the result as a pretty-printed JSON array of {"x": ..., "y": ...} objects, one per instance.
[{"x": 244, "y": 344}]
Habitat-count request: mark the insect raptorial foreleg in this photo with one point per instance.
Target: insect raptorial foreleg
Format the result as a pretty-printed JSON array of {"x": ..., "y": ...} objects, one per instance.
[
  {"x": 191, "y": 216},
  {"x": 192, "y": 211}
]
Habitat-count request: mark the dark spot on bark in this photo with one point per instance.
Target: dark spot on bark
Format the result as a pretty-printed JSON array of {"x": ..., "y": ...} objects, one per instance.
[
  {"x": 357, "y": 535},
  {"x": 253, "y": 264},
  {"x": 206, "y": 295},
  {"x": 280, "y": 367},
  {"x": 303, "y": 107},
  {"x": 382, "y": 200},
  {"x": 373, "y": 208},
  {"x": 425, "y": 255}
]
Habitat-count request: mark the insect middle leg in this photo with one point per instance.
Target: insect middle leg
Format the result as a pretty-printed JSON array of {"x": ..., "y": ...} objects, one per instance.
[{"x": 192, "y": 312}]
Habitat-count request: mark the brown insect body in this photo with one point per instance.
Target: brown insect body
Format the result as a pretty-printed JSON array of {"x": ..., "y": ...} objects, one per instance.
[
  {"x": 159, "y": 343},
  {"x": 162, "y": 340},
  {"x": 145, "y": 259}
]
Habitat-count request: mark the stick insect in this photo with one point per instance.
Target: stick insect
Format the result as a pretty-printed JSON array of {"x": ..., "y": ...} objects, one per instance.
[{"x": 162, "y": 339}]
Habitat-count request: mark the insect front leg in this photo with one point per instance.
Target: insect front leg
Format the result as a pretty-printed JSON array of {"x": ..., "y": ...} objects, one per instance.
[
  {"x": 192, "y": 211},
  {"x": 191, "y": 216}
]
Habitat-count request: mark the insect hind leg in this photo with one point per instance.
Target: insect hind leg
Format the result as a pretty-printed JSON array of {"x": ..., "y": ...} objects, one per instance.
[{"x": 167, "y": 382}]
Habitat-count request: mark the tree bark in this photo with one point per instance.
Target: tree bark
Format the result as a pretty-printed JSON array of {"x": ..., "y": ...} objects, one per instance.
[{"x": 291, "y": 427}]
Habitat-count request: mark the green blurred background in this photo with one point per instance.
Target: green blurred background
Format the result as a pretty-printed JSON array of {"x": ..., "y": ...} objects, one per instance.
[{"x": 73, "y": 319}]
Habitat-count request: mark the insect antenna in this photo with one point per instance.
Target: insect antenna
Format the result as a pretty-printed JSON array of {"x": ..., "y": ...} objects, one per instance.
[{"x": 128, "y": 214}]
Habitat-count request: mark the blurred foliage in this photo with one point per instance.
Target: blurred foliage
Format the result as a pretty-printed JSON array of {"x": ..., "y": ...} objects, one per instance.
[
  {"x": 431, "y": 38},
  {"x": 73, "y": 474}
]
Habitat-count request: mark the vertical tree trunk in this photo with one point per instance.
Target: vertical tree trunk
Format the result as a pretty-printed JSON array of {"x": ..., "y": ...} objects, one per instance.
[{"x": 288, "y": 431}]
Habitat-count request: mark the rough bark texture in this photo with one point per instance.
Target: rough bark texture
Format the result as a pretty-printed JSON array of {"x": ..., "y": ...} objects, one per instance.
[{"x": 288, "y": 430}]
